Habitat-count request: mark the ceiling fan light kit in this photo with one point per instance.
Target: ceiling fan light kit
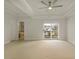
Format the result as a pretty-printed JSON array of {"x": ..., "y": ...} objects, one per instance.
[{"x": 49, "y": 8}]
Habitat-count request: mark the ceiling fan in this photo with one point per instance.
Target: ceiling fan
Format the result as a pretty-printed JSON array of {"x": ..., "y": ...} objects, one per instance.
[{"x": 50, "y": 4}]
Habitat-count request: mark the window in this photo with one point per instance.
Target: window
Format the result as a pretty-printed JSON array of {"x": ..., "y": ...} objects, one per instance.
[{"x": 50, "y": 30}]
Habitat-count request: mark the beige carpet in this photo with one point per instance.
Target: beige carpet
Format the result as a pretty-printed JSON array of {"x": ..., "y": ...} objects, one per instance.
[{"x": 44, "y": 49}]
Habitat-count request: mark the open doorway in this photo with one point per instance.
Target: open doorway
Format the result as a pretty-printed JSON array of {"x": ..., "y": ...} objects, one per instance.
[{"x": 21, "y": 30}]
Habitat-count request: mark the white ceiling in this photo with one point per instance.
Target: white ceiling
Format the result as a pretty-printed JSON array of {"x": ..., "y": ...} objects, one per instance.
[
  {"x": 31, "y": 7},
  {"x": 36, "y": 4}
]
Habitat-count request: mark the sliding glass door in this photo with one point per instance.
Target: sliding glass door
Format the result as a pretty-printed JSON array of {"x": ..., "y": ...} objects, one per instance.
[{"x": 50, "y": 31}]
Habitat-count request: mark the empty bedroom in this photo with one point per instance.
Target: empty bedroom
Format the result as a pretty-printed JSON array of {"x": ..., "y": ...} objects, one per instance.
[{"x": 39, "y": 29}]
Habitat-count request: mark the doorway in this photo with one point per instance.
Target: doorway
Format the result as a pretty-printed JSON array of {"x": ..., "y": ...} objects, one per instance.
[
  {"x": 50, "y": 31},
  {"x": 21, "y": 30}
]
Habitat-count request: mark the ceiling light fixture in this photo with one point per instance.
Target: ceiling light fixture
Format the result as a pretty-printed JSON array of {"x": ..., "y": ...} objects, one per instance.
[{"x": 49, "y": 8}]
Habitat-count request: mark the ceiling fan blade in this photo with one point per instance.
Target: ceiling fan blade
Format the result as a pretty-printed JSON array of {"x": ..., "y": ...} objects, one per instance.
[
  {"x": 44, "y": 3},
  {"x": 43, "y": 7},
  {"x": 57, "y": 6},
  {"x": 55, "y": 1}
]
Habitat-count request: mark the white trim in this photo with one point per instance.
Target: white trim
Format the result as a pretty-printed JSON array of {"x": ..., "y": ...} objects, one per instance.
[{"x": 7, "y": 42}]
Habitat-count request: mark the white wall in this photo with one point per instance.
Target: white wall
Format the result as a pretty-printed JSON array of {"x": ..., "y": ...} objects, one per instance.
[
  {"x": 10, "y": 29},
  {"x": 71, "y": 29},
  {"x": 34, "y": 28},
  {"x": 10, "y": 24},
  {"x": 71, "y": 24},
  {"x": 12, "y": 14}
]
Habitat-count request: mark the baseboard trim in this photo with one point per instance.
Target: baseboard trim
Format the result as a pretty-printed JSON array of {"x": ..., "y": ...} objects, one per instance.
[{"x": 7, "y": 42}]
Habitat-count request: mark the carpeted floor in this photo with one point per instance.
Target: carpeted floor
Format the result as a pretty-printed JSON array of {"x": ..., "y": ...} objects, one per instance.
[{"x": 43, "y": 49}]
